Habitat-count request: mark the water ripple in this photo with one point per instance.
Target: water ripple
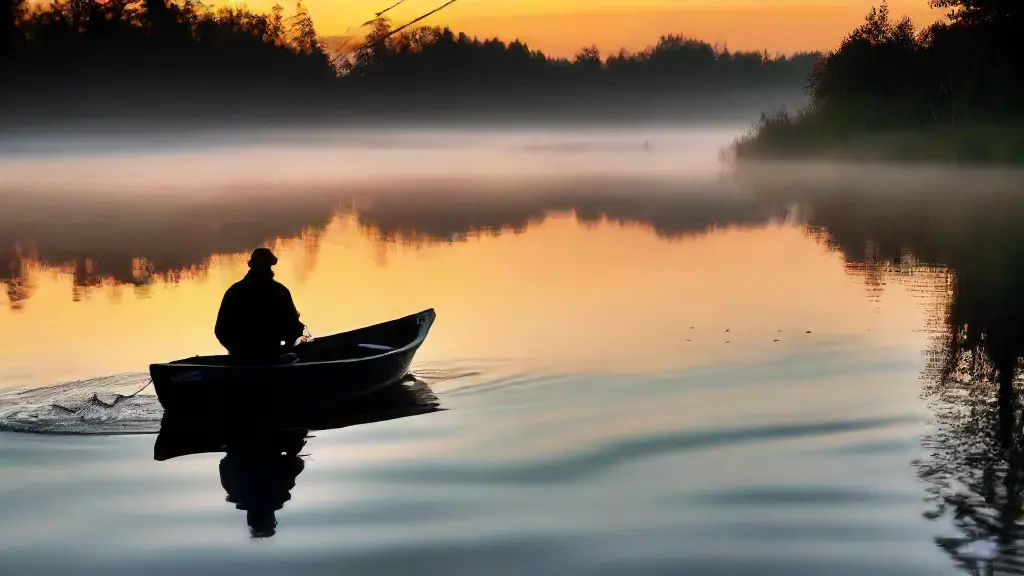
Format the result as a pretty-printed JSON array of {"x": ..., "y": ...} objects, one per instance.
[
  {"x": 105, "y": 405},
  {"x": 571, "y": 468},
  {"x": 789, "y": 496},
  {"x": 102, "y": 405}
]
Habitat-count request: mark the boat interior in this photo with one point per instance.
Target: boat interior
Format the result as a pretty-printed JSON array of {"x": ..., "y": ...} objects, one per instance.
[{"x": 362, "y": 343}]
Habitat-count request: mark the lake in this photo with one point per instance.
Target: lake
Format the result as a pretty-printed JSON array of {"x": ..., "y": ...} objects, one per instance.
[{"x": 643, "y": 362}]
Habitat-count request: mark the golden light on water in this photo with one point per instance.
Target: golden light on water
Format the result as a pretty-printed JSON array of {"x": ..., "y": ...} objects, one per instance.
[{"x": 561, "y": 295}]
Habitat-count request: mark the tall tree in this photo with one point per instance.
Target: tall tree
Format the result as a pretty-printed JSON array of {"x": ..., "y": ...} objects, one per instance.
[
  {"x": 160, "y": 16},
  {"x": 589, "y": 59},
  {"x": 983, "y": 11},
  {"x": 303, "y": 31},
  {"x": 10, "y": 37}
]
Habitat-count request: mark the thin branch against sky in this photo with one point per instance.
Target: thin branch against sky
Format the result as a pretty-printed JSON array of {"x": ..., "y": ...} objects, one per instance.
[{"x": 396, "y": 30}]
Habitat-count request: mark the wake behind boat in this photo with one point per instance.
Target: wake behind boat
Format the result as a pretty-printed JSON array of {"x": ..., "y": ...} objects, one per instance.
[{"x": 327, "y": 372}]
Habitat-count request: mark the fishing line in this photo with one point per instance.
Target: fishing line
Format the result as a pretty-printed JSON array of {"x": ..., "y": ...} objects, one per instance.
[
  {"x": 96, "y": 399},
  {"x": 385, "y": 11},
  {"x": 133, "y": 394},
  {"x": 119, "y": 397},
  {"x": 400, "y": 28}
]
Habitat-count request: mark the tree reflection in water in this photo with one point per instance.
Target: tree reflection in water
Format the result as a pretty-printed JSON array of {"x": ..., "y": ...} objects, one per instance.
[{"x": 974, "y": 470}]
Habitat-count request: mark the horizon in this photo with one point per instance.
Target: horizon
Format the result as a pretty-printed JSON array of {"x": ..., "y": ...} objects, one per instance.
[{"x": 560, "y": 31}]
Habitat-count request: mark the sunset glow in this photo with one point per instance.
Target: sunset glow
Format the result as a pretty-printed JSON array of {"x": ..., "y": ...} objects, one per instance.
[{"x": 562, "y": 27}]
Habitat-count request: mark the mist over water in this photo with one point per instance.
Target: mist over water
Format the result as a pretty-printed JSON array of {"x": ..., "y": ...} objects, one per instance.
[
  {"x": 647, "y": 361},
  {"x": 329, "y": 157}
]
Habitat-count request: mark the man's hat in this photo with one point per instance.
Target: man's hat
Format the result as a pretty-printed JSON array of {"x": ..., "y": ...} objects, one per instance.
[{"x": 262, "y": 258}]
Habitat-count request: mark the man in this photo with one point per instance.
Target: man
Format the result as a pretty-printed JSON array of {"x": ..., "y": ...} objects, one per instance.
[{"x": 257, "y": 314}]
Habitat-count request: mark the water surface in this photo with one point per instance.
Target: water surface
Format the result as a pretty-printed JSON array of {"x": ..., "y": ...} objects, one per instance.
[{"x": 637, "y": 374}]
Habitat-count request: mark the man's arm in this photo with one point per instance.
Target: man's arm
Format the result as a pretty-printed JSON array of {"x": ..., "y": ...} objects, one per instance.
[{"x": 295, "y": 326}]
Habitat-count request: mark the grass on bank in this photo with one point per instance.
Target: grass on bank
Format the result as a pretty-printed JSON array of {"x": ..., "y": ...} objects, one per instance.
[{"x": 803, "y": 134}]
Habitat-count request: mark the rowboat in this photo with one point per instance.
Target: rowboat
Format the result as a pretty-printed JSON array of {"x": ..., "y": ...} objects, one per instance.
[{"x": 322, "y": 375}]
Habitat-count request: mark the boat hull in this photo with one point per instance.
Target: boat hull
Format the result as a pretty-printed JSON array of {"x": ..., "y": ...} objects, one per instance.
[{"x": 330, "y": 372}]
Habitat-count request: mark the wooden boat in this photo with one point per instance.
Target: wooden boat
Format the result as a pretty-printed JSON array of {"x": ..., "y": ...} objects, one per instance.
[{"x": 327, "y": 373}]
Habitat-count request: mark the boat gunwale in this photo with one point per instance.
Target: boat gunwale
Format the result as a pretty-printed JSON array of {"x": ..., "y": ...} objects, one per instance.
[{"x": 429, "y": 313}]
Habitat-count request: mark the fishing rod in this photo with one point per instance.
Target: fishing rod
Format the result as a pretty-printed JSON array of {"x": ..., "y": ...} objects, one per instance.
[
  {"x": 385, "y": 11},
  {"x": 400, "y": 28},
  {"x": 335, "y": 58}
]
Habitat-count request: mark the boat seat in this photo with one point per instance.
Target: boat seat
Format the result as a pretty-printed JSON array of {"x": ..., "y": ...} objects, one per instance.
[
  {"x": 283, "y": 359},
  {"x": 375, "y": 347}
]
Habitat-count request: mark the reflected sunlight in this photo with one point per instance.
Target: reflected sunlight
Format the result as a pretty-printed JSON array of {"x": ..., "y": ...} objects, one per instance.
[{"x": 561, "y": 294}]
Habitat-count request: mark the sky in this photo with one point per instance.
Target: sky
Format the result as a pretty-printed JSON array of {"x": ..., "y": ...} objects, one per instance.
[{"x": 561, "y": 27}]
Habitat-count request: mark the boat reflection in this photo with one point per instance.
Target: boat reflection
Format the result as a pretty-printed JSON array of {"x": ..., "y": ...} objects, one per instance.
[
  {"x": 259, "y": 476},
  {"x": 261, "y": 464}
]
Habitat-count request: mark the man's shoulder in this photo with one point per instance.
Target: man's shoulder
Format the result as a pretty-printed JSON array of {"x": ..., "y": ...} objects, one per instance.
[
  {"x": 238, "y": 286},
  {"x": 281, "y": 288},
  {"x": 262, "y": 285}
]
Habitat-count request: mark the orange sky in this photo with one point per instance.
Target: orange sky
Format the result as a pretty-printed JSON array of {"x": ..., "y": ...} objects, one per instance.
[{"x": 561, "y": 27}]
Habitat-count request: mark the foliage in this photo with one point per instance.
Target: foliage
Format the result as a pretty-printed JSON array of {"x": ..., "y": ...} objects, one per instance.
[
  {"x": 438, "y": 58},
  {"x": 951, "y": 80},
  {"x": 123, "y": 58},
  {"x": 127, "y": 59}
]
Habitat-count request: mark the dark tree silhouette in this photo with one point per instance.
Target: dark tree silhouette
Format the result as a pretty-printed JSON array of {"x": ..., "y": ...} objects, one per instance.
[
  {"x": 11, "y": 12},
  {"x": 158, "y": 61},
  {"x": 974, "y": 468},
  {"x": 434, "y": 57},
  {"x": 118, "y": 59},
  {"x": 985, "y": 12},
  {"x": 449, "y": 70},
  {"x": 956, "y": 82}
]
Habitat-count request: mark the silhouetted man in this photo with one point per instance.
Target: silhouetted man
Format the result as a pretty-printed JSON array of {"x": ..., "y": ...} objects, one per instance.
[{"x": 257, "y": 314}]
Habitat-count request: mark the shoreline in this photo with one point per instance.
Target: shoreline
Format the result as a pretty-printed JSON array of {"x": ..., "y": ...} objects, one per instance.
[{"x": 970, "y": 145}]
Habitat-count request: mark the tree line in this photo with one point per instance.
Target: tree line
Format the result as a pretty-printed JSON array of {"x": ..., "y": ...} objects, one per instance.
[
  {"x": 432, "y": 57},
  {"x": 961, "y": 79},
  {"x": 157, "y": 59},
  {"x": 126, "y": 57}
]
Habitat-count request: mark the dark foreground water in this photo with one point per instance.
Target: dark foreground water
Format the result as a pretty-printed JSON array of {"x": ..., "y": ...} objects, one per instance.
[{"x": 672, "y": 374}]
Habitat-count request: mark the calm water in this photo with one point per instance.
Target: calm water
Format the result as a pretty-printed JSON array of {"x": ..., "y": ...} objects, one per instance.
[{"x": 643, "y": 365}]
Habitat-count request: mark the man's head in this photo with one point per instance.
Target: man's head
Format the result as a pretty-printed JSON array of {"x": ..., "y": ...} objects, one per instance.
[{"x": 262, "y": 258}]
